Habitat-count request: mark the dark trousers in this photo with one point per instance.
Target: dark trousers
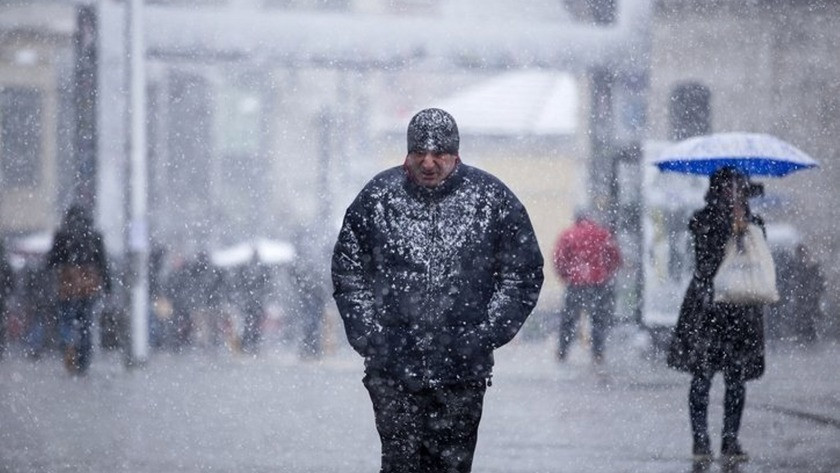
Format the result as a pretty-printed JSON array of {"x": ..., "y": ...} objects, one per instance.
[
  {"x": 2, "y": 327},
  {"x": 426, "y": 431},
  {"x": 75, "y": 318},
  {"x": 312, "y": 314},
  {"x": 252, "y": 331},
  {"x": 597, "y": 302},
  {"x": 733, "y": 404}
]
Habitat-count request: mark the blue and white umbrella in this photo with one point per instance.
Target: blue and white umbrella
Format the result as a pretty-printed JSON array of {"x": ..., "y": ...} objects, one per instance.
[{"x": 754, "y": 154}]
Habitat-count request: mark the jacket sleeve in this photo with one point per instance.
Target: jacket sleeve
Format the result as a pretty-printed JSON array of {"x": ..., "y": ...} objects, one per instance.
[
  {"x": 351, "y": 275},
  {"x": 519, "y": 276},
  {"x": 562, "y": 257}
]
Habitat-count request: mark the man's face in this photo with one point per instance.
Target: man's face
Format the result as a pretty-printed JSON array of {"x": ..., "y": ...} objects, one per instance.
[{"x": 428, "y": 168}]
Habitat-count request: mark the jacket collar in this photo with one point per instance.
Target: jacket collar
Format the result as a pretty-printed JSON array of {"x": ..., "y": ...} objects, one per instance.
[{"x": 452, "y": 182}]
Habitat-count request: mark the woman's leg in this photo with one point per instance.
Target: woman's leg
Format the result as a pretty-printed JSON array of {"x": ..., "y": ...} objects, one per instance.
[
  {"x": 733, "y": 407},
  {"x": 569, "y": 317},
  {"x": 85, "y": 319},
  {"x": 698, "y": 407}
]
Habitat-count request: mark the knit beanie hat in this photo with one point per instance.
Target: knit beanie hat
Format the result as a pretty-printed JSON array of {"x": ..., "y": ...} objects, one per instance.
[{"x": 433, "y": 130}]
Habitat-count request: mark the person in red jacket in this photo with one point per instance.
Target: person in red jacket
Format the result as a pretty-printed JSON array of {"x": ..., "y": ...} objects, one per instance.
[{"x": 586, "y": 257}]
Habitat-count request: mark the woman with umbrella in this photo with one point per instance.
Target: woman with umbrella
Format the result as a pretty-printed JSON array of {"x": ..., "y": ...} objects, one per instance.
[{"x": 713, "y": 337}]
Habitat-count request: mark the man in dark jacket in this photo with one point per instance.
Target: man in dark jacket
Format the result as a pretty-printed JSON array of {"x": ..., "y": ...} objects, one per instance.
[
  {"x": 78, "y": 257},
  {"x": 436, "y": 265}
]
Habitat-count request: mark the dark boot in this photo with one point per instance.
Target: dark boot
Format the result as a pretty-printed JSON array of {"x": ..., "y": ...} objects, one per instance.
[
  {"x": 702, "y": 449},
  {"x": 731, "y": 451}
]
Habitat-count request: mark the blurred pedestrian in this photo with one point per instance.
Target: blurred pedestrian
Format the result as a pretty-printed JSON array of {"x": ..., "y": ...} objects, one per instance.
[
  {"x": 177, "y": 291},
  {"x": 586, "y": 258},
  {"x": 204, "y": 291},
  {"x": 159, "y": 312},
  {"x": 7, "y": 285},
  {"x": 713, "y": 337},
  {"x": 311, "y": 281},
  {"x": 436, "y": 265},
  {"x": 779, "y": 314},
  {"x": 39, "y": 301},
  {"x": 807, "y": 293},
  {"x": 255, "y": 282},
  {"x": 78, "y": 256},
  {"x": 114, "y": 316}
]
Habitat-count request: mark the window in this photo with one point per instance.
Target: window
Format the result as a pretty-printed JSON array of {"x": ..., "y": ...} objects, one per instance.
[
  {"x": 21, "y": 132},
  {"x": 690, "y": 111}
]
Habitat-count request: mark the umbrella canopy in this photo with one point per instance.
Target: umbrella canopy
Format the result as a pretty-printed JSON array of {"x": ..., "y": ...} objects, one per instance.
[
  {"x": 754, "y": 154},
  {"x": 33, "y": 244},
  {"x": 265, "y": 251}
]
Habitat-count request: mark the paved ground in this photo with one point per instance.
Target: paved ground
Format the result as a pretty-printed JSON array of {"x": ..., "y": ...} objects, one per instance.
[{"x": 275, "y": 413}]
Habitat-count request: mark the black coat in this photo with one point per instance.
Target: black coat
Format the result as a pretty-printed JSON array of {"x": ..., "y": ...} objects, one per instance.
[
  {"x": 712, "y": 336},
  {"x": 7, "y": 281},
  {"x": 430, "y": 281},
  {"x": 78, "y": 245}
]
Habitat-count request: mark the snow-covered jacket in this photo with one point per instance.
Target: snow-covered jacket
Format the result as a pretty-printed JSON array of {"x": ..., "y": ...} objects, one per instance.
[{"x": 429, "y": 281}]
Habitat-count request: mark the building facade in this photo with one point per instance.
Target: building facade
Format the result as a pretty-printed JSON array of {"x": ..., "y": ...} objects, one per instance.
[{"x": 35, "y": 110}]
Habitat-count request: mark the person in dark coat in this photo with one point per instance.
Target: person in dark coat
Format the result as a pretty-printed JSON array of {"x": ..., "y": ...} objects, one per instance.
[
  {"x": 713, "y": 337},
  {"x": 7, "y": 286},
  {"x": 178, "y": 287},
  {"x": 311, "y": 281},
  {"x": 255, "y": 281},
  {"x": 204, "y": 289},
  {"x": 436, "y": 265},
  {"x": 38, "y": 297},
  {"x": 78, "y": 256},
  {"x": 806, "y": 312}
]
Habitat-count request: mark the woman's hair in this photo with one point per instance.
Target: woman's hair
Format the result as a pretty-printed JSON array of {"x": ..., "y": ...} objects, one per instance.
[
  {"x": 724, "y": 178},
  {"x": 76, "y": 217}
]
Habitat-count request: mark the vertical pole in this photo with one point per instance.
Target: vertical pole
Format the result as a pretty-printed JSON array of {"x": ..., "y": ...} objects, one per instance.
[
  {"x": 138, "y": 239},
  {"x": 85, "y": 80},
  {"x": 602, "y": 129},
  {"x": 602, "y": 120},
  {"x": 325, "y": 131}
]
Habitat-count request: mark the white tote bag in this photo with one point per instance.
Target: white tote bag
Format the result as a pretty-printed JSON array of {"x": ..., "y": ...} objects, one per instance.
[{"x": 747, "y": 274}]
